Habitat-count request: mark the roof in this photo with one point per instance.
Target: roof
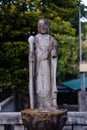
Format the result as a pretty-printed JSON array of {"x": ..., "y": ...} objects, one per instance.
[
  {"x": 62, "y": 90},
  {"x": 74, "y": 84}
]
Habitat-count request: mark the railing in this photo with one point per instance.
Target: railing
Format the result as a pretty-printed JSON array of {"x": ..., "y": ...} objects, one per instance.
[
  {"x": 13, "y": 119},
  {"x": 8, "y": 105},
  {"x": 75, "y": 121}
]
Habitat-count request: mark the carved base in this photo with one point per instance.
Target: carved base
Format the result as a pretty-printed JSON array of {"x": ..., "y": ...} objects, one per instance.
[{"x": 44, "y": 119}]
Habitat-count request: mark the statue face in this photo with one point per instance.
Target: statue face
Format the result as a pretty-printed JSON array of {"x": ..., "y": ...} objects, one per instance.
[{"x": 43, "y": 26}]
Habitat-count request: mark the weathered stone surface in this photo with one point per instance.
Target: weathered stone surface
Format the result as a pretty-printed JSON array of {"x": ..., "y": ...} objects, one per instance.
[
  {"x": 10, "y": 118},
  {"x": 82, "y": 100},
  {"x": 67, "y": 127},
  {"x": 2, "y": 127},
  {"x": 42, "y": 67},
  {"x": 75, "y": 120},
  {"x": 46, "y": 119},
  {"x": 18, "y": 127},
  {"x": 79, "y": 118},
  {"x": 80, "y": 127}
]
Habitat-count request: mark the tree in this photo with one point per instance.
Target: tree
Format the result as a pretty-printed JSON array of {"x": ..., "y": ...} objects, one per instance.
[
  {"x": 17, "y": 16},
  {"x": 14, "y": 66},
  {"x": 68, "y": 49},
  {"x": 18, "y": 20}
]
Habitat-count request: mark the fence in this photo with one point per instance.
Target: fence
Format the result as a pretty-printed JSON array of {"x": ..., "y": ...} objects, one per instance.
[
  {"x": 11, "y": 120},
  {"x": 8, "y": 105},
  {"x": 75, "y": 121}
]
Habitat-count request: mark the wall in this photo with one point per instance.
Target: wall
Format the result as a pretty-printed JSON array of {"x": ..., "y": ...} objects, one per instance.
[
  {"x": 8, "y": 105},
  {"x": 76, "y": 121}
]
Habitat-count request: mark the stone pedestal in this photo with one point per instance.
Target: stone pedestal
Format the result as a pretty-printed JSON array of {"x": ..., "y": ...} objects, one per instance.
[
  {"x": 44, "y": 119},
  {"x": 82, "y": 100}
]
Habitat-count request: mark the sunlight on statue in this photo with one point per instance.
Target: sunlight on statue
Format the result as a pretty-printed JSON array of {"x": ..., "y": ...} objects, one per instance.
[{"x": 42, "y": 67}]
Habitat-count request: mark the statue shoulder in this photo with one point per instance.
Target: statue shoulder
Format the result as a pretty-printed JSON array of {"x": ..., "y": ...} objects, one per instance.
[
  {"x": 37, "y": 36},
  {"x": 54, "y": 42},
  {"x": 37, "y": 40}
]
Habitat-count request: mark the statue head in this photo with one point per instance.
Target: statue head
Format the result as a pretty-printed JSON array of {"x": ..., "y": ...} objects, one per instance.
[{"x": 43, "y": 26}]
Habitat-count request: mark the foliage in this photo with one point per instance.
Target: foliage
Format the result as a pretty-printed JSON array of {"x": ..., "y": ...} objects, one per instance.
[
  {"x": 18, "y": 20},
  {"x": 67, "y": 49},
  {"x": 67, "y": 10},
  {"x": 84, "y": 51},
  {"x": 14, "y": 66}
]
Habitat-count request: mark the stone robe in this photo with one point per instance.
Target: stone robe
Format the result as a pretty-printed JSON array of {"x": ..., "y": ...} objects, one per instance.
[{"x": 45, "y": 49}]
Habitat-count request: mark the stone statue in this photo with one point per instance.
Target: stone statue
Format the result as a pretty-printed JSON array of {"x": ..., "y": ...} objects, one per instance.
[
  {"x": 42, "y": 82},
  {"x": 42, "y": 67}
]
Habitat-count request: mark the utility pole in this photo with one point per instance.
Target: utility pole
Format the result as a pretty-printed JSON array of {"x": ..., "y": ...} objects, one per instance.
[{"x": 82, "y": 75}]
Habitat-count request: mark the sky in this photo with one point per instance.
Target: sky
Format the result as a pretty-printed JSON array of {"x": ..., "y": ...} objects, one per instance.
[
  {"x": 83, "y": 19},
  {"x": 85, "y": 2}
]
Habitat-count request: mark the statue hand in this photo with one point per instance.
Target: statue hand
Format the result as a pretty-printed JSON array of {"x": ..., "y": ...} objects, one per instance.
[
  {"x": 31, "y": 57},
  {"x": 54, "y": 53}
]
